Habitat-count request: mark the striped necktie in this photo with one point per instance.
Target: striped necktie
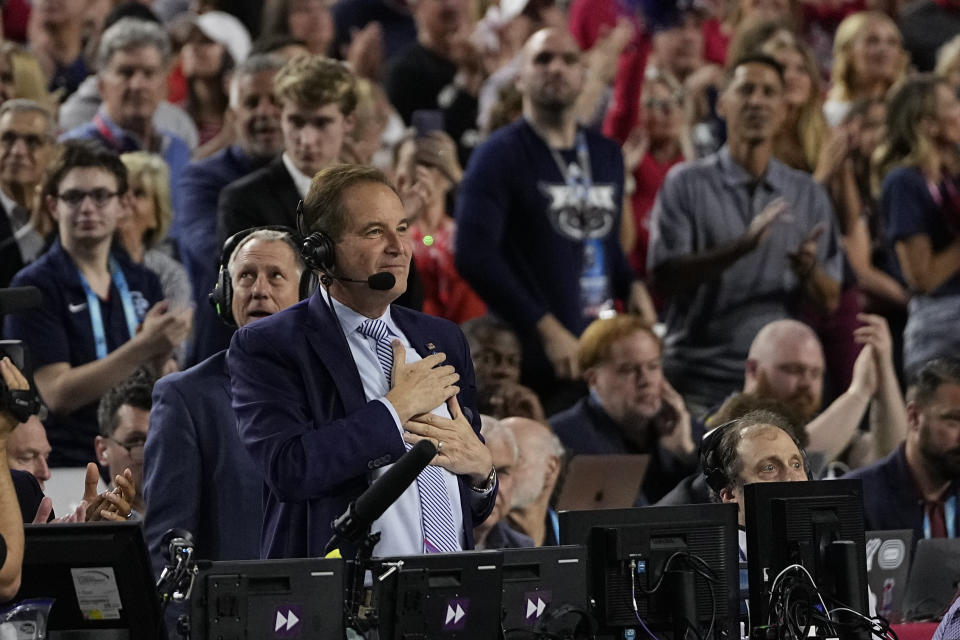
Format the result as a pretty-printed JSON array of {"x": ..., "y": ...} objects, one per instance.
[{"x": 436, "y": 517}]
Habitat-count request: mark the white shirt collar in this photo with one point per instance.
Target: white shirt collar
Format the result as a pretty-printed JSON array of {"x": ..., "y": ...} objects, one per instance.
[
  {"x": 8, "y": 204},
  {"x": 351, "y": 320},
  {"x": 300, "y": 180}
]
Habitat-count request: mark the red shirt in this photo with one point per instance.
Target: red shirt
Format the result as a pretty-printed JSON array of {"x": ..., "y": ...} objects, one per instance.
[
  {"x": 445, "y": 293},
  {"x": 587, "y": 17},
  {"x": 649, "y": 175}
]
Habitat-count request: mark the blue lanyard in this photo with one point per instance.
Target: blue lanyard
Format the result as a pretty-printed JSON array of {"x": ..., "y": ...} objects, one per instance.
[
  {"x": 580, "y": 185},
  {"x": 96, "y": 316},
  {"x": 949, "y": 514},
  {"x": 555, "y": 523}
]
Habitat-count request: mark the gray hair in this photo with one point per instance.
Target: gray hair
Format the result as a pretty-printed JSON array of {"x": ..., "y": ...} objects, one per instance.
[
  {"x": 132, "y": 33},
  {"x": 22, "y": 105},
  {"x": 268, "y": 235},
  {"x": 257, "y": 63},
  {"x": 490, "y": 427}
]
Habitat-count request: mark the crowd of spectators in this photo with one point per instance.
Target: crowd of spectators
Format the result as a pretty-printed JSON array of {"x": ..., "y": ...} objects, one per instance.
[{"x": 649, "y": 217}]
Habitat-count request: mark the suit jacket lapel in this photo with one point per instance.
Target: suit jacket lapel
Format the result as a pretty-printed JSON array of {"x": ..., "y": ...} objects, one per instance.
[
  {"x": 328, "y": 343},
  {"x": 412, "y": 328}
]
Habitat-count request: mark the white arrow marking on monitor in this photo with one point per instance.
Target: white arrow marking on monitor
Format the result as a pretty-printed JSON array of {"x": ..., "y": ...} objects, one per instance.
[
  {"x": 292, "y": 620},
  {"x": 450, "y": 615},
  {"x": 460, "y": 614},
  {"x": 281, "y": 621}
]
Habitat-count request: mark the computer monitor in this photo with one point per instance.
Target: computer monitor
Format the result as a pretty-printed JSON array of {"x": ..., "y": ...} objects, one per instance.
[
  {"x": 818, "y": 525},
  {"x": 661, "y": 570},
  {"x": 545, "y": 589},
  {"x": 442, "y": 595},
  {"x": 100, "y": 577},
  {"x": 297, "y": 598}
]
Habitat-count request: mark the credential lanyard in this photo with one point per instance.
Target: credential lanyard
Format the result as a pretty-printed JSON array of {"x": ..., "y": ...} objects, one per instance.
[
  {"x": 949, "y": 514},
  {"x": 105, "y": 131},
  {"x": 96, "y": 315},
  {"x": 579, "y": 185}
]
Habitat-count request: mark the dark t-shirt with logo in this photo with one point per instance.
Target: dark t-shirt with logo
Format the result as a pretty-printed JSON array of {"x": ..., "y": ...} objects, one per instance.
[
  {"x": 61, "y": 331},
  {"x": 522, "y": 238}
]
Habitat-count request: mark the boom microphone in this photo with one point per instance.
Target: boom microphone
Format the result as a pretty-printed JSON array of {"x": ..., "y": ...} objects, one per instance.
[
  {"x": 382, "y": 493},
  {"x": 382, "y": 281}
]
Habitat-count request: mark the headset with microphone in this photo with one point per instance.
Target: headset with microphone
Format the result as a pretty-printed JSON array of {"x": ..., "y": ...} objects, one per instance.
[
  {"x": 221, "y": 298},
  {"x": 713, "y": 459},
  {"x": 317, "y": 250}
]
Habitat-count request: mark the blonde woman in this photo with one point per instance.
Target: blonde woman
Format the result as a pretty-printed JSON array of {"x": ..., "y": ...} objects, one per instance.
[
  {"x": 919, "y": 165},
  {"x": 145, "y": 228},
  {"x": 868, "y": 59}
]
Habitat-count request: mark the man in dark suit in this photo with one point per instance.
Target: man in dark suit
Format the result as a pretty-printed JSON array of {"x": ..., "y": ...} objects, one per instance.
[
  {"x": 257, "y": 123},
  {"x": 329, "y": 392},
  {"x": 195, "y": 469},
  {"x": 26, "y": 145},
  {"x": 317, "y": 97}
]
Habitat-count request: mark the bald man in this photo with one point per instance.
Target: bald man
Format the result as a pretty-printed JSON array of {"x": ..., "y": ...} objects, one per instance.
[
  {"x": 536, "y": 474},
  {"x": 538, "y": 215},
  {"x": 785, "y": 362}
]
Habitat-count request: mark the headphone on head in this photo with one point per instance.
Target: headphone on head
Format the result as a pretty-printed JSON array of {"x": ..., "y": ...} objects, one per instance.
[
  {"x": 316, "y": 249},
  {"x": 711, "y": 457},
  {"x": 221, "y": 298}
]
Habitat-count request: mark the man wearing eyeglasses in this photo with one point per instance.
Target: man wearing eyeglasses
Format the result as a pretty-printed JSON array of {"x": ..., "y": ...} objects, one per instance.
[
  {"x": 26, "y": 143},
  {"x": 102, "y": 317},
  {"x": 124, "y": 417}
]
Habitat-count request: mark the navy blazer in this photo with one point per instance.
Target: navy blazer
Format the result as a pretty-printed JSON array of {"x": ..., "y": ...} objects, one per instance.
[
  {"x": 196, "y": 474},
  {"x": 198, "y": 191},
  {"x": 266, "y": 196},
  {"x": 890, "y": 496},
  {"x": 302, "y": 414}
]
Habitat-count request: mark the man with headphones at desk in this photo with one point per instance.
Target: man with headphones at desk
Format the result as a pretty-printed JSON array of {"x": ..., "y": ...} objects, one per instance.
[
  {"x": 330, "y": 391},
  {"x": 196, "y": 471}
]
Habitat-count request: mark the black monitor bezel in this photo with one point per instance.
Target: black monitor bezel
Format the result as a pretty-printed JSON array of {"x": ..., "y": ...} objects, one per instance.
[
  {"x": 577, "y": 527},
  {"x": 52, "y": 550}
]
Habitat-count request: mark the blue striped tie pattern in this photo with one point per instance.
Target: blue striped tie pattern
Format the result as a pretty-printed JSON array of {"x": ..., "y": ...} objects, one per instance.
[{"x": 436, "y": 516}]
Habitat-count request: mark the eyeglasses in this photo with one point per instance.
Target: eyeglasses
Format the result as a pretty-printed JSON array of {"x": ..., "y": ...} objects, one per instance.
[
  {"x": 134, "y": 450},
  {"x": 74, "y": 197},
  {"x": 33, "y": 140}
]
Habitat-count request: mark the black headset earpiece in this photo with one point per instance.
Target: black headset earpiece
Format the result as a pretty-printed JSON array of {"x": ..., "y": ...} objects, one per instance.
[
  {"x": 316, "y": 248},
  {"x": 710, "y": 460},
  {"x": 221, "y": 298}
]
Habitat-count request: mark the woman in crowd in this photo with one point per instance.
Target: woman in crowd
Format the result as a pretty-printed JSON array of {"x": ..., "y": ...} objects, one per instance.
[
  {"x": 145, "y": 228},
  {"x": 868, "y": 59},
  {"x": 306, "y": 20},
  {"x": 919, "y": 165},
  {"x": 426, "y": 170},
  {"x": 948, "y": 62},
  {"x": 661, "y": 140},
  {"x": 215, "y": 43}
]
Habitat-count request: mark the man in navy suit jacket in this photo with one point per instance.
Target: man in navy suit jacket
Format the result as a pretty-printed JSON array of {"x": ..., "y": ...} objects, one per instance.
[
  {"x": 257, "y": 124},
  {"x": 197, "y": 474},
  {"x": 316, "y": 408}
]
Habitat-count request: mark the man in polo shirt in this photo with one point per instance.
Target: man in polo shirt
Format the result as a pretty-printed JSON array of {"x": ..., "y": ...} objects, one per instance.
[
  {"x": 737, "y": 238},
  {"x": 100, "y": 319}
]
